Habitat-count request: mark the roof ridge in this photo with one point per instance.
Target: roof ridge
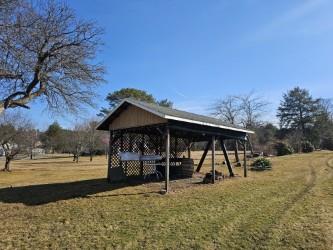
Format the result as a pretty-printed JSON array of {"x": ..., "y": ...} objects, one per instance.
[
  {"x": 176, "y": 115},
  {"x": 184, "y": 111}
]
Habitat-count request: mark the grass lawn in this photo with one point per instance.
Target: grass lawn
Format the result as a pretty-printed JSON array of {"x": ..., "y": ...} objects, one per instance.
[{"x": 54, "y": 203}]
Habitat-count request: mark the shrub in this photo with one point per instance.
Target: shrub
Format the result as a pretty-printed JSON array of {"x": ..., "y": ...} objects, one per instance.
[
  {"x": 283, "y": 149},
  {"x": 307, "y": 147},
  {"x": 262, "y": 164}
]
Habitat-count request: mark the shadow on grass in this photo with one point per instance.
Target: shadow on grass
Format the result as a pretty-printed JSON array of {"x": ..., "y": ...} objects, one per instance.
[
  {"x": 46, "y": 193},
  {"x": 52, "y": 157},
  {"x": 50, "y": 163}
]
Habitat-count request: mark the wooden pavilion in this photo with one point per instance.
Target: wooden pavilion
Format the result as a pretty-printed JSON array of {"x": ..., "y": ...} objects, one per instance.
[{"x": 158, "y": 136}]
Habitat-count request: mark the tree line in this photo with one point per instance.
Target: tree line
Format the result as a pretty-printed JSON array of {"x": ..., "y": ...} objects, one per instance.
[
  {"x": 305, "y": 123},
  {"x": 83, "y": 139},
  {"x": 19, "y": 138}
]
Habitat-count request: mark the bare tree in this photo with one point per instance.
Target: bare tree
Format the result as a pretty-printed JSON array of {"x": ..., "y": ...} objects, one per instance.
[
  {"x": 105, "y": 143},
  {"x": 46, "y": 53},
  {"x": 14, "y": 134},
  {"x": 252, "y": 109},
  {"x": 228, "y": 110},
  {"x": 5, "y": 7},
  {"x": 92, "y": 137},
  {"x": 326, "y": 108},
  {"x": 32, "y": 140},
  {"x": 76, "y": 141}
]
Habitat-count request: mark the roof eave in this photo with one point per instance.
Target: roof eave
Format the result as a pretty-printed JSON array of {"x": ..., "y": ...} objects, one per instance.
[
  {"x": 168, "y": 117},
  {"x": 208, "y": 124}
]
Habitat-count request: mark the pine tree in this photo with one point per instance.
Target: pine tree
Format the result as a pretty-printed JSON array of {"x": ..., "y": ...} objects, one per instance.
[
  {"x": 114, "y": 98},
  {"x": 297, "y": 112}
]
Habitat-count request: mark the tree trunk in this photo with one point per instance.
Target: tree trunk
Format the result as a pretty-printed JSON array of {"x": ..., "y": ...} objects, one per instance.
[
  {"x": 236, "y": 152},
  {"x": 7, "y": 164},
  {"x": 297, "y": 140},
  {"x": 31, "y": 155}
]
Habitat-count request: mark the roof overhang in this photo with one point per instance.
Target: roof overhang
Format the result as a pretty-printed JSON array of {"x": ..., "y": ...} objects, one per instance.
[{"x": 104, "y": 124}]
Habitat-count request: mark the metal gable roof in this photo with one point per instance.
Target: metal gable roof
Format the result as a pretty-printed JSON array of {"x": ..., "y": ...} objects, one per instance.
[{"x": 175, "y": 114}]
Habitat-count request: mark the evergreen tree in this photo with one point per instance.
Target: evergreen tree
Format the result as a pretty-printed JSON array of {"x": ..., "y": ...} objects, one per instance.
[
  {"x": 114, "y": 98},
  {"x": 165, "y": 103},
  {"x": 297, "y": 112},
  {"x": 52, "y": 138}
]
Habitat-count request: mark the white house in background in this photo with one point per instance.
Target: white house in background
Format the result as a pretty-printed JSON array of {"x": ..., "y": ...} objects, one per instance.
[
  {"x": 38, "y": 151},
  {"x": 35, "y": 151}
]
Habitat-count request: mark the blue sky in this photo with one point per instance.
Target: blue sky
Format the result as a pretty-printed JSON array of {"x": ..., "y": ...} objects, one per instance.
[{"x": 196, "y": 51}]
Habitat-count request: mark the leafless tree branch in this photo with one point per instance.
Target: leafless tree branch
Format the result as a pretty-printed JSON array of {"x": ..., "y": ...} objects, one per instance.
[{"x": 46, "y": 52}]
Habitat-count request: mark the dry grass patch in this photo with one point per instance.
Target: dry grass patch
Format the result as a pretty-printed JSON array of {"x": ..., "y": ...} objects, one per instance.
[{"x": 68, "y": 205}]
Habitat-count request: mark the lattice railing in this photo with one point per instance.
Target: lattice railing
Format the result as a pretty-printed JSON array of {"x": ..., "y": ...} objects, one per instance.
[{"x": 145, "y": 145}]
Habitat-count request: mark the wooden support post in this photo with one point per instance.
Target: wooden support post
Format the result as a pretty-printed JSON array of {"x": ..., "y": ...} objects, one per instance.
[
  {"x": 176, "y": 148},
  {"x": 203, "y": 156},
  {"x": 245, "y": 167},
  {"x": 213, "y": 159},
  {"x": 121, "y": 150},
  {"x": 142, "y": 149},
  {"x": 109, "y": 154},
  {"x": 156, "y": 143},
  {"x": 189, "y": 151},
  {"x": 167, "y": 159},
  {"x": 130, "y": 139},
  {"x": 226, "y": 157},
  {"x": 236, "y": 154}
]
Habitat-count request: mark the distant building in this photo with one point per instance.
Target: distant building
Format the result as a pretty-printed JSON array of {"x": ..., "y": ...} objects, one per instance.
[{"x": 38, "y": 151}]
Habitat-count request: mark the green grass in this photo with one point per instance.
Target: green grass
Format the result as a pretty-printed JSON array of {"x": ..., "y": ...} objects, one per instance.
[{"x": 58, "y": 204}]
